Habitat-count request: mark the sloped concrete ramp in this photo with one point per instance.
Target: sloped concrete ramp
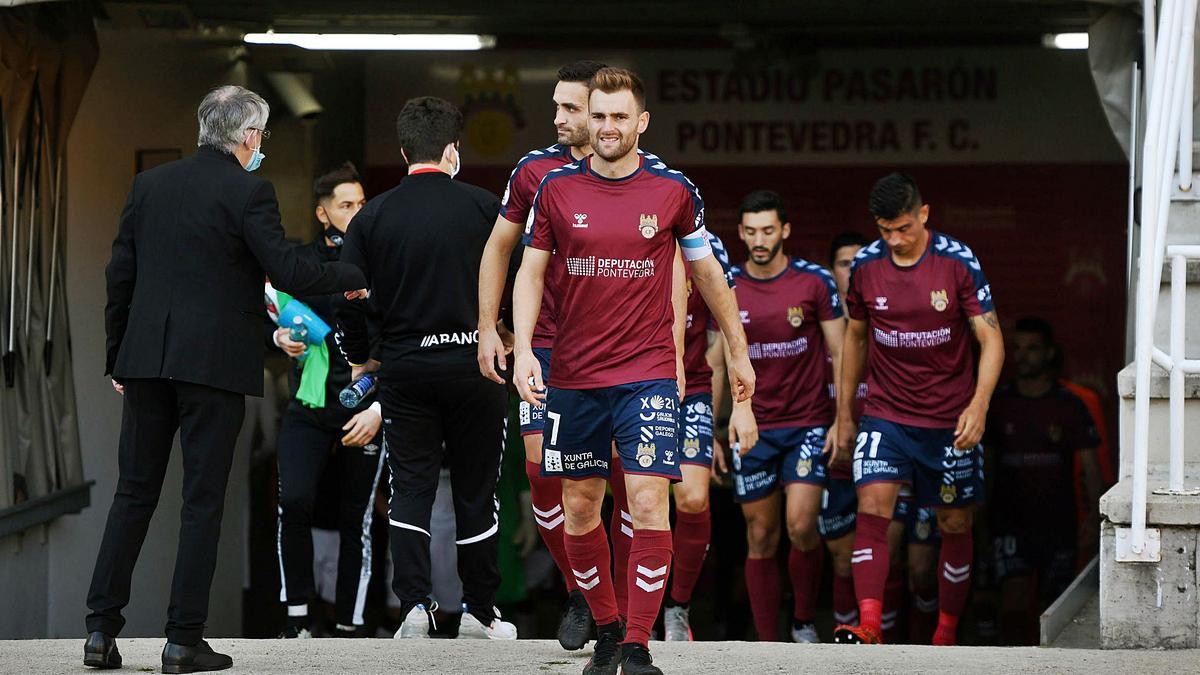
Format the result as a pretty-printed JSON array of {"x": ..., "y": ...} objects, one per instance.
[{"x": 345, "y": 657}]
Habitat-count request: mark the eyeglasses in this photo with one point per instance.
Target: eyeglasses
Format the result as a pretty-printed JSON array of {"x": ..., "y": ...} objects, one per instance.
[{"x": 266, "y": 133}]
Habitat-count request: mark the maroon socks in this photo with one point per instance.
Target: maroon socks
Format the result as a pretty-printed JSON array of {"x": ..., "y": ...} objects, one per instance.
[
  {"x": 590, "y": 568},
  {"x": 649, "y": 565},
  {"x": 546, "y": 495},
  {"x": 954, "y": 581},
  {"x": 804, "y": 569},
  {"x": 764, "y": 586},
  {"x": 692, "y": 534},
  {"x": 869, "y": 562}
]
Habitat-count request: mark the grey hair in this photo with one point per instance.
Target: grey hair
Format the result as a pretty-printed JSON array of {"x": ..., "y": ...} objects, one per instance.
[{"x": 225, "y": 114}]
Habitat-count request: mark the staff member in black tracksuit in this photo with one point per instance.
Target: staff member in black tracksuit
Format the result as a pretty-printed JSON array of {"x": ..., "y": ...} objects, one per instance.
[
  {"x": 419, "y": 245},
  {"x": 184, "y": 324},
  {"x": 316, "y": 432}
]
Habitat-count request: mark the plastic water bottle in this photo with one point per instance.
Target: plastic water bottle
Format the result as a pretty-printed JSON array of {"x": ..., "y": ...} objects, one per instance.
[
  {"x": 298, "y": 331},
  {"x": 356, "y": 391},
  {"x": 299, "y": 334}
]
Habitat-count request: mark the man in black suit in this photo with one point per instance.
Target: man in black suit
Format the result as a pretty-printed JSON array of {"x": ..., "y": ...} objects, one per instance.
[{"x": 185, "y": 322}]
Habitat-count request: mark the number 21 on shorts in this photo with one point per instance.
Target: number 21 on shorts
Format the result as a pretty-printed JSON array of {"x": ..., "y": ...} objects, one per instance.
[{"x": 875, "y": 437}]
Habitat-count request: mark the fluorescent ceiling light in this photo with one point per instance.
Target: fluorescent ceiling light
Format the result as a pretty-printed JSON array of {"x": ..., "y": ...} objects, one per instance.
[
  {"x": 1066, "y": 40},
  {"x": 375, "y": 41}
]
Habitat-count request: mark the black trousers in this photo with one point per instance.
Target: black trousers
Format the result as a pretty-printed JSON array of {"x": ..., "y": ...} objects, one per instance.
[
  {"x": 208, "y": 421},
  {"x": 460, "y": 422},
  {"x": 308, "y": 441}
]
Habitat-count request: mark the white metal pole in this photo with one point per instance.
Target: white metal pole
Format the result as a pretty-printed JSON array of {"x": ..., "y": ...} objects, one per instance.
[
  {"x": 1179, "y": 50},
  {"x": 1178, "y": 322},
  {"x": 1148, "y": 21},
  {"x": 1185, "y": 124},
  {"x": 1134, "y": 104},
  {"x": 1148, "y": 277}
]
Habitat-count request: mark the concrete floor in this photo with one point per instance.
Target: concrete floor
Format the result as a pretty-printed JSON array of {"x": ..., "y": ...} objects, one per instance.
[
  {"x": 1084, "y": 630},
  {"x": 536, "y": 656}
]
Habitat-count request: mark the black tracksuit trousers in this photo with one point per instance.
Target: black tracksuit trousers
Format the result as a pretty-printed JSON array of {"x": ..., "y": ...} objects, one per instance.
[{"x": 462, "y": 423}]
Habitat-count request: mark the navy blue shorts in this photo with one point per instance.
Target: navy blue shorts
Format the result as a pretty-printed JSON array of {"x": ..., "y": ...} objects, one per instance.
[
  {"x": 697, "y": 436},
  {"x": 920, "y": 522},
  {"x": 581, "y": 425},
  {"x": 781, "y": 456},
  {"x": 839, "y": 509},
  {"x": 940, "y": 475},
  {"x": 533, "y": 417}
]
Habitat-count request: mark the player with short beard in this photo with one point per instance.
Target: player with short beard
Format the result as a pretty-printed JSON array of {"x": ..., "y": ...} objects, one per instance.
[
  {"x": 570, "y": 123},
  {"x": 793, "y": 320},
  {"x": 613, "y": 368},
  {"x": 571, "y": 126}
]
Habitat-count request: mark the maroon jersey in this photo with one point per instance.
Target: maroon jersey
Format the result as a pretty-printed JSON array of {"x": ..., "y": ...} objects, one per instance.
[
  {"x": 617, "y": 239},
  {"x": 1034, "y": 441},
  {"x": 919, "y": 362},
  {"x": 515, "y": 207},
  {"x": 782, "y": 317},
  {"x": 699, "y": 321}
]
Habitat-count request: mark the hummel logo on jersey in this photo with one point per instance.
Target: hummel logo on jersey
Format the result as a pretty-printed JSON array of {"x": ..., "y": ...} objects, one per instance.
[
  {"x": 744, "y": 315},
  {"x": 880, "y": 303},
  {"x": 450, "y": 339},
  {"x": 580, "y": 220}
]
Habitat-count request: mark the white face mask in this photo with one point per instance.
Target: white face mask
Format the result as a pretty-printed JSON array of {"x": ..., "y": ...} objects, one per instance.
[{"x": 457, "y": 161}]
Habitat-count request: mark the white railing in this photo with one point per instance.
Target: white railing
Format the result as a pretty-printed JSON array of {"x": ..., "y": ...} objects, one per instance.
[{"x": 1169, "y": 71}]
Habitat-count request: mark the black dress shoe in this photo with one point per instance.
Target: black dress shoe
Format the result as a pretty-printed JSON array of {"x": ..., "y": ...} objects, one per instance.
[
  {"x": 192, "y": 658},
  {"x": 100, "y": 651}
]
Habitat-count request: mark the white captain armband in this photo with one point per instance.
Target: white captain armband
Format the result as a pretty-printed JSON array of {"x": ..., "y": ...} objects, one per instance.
[{"x": 695, "y": 245}]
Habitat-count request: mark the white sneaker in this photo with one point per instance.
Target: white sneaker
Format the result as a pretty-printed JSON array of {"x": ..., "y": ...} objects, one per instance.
[
  {"x": 806, "y": 634},
  {"x": 676, "y": 626},
  {"x": 471, "y": 628},
  {"x": 293, "y": 633},
  {"x": 416, "y": 624}
]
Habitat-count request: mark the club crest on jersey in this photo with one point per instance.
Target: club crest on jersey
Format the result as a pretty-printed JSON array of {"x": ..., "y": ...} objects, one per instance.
[
  {"x": 949, "y": 492},
  {"x": 804, "y": 467},
  {"x": 645, "y": 454},
  {"x": 795, "y": 316},
  {"x": 939, "y": 300},
  {"x": 648, "y": 225},
  {"x": 691, "y": 447}
]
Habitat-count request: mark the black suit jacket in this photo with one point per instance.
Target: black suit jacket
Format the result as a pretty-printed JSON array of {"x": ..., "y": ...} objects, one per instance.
[{"x": 185, "y": 283}]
